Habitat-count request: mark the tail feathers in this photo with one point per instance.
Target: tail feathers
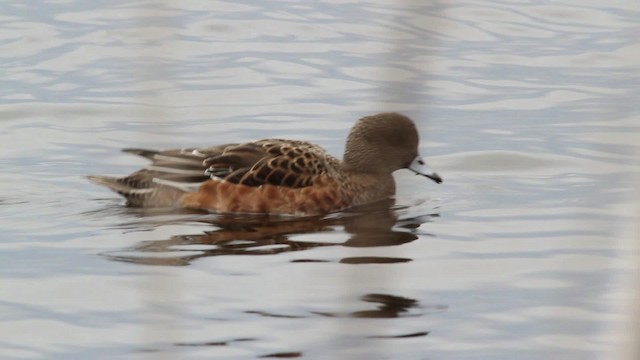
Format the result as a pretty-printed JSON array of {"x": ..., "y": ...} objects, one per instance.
[
  {"x": 116, "y": 184},
  {"x": 145, "y": 153},
  {"x": 171, "y": 174},
  {"x": 176, "y": 157},
  {"x": 143, "y": 194}
]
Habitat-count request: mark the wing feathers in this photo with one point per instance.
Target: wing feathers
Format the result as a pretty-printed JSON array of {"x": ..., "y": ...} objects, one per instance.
[{"x": 292, "y": 164}]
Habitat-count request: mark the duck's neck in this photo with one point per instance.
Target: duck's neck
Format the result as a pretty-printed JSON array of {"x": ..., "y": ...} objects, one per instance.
[{"x": 370, "y": 187}]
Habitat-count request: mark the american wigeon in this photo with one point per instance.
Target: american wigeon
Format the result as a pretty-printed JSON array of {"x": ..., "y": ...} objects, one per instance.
[{"x": 275, "y": 176}]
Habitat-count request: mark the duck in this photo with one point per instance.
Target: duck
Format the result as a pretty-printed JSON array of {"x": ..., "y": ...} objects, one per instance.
[{"x": 277, "y": 176}]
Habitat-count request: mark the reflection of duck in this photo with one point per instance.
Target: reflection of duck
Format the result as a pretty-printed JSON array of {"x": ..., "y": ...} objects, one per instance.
[
  {"x": 390, "y": 306},
  {"x": 276, "y": 176},
  {"x": 367, "y": 226}
]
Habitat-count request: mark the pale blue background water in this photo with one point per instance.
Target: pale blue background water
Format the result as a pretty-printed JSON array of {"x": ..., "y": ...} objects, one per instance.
[{"x": 528, "y": 110}]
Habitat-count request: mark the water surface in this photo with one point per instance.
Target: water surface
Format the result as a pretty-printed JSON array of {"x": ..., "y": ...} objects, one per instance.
[{"x": 527, "y": 109}]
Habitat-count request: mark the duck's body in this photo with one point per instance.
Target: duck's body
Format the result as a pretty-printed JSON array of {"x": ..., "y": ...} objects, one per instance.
[{"x": 276, "y": 176}]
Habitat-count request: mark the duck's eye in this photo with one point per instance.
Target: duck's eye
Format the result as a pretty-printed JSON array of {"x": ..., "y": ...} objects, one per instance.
[{"x": 420, "y": 162}]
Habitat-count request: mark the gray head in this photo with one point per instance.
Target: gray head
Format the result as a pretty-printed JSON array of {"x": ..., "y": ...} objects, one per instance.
[{"x": 384, "y": 143}]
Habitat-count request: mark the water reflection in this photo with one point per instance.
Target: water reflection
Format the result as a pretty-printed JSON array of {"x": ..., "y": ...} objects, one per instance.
[
  {"x": 366, "y": 226},
  {"x": 388, "y": 306},
  {"x": 215, "y": 343},
  {"x": 282, "y": 355}
]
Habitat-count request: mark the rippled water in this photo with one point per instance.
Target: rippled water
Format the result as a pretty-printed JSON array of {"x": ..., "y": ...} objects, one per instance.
[{"x": 528, "y": 109}]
